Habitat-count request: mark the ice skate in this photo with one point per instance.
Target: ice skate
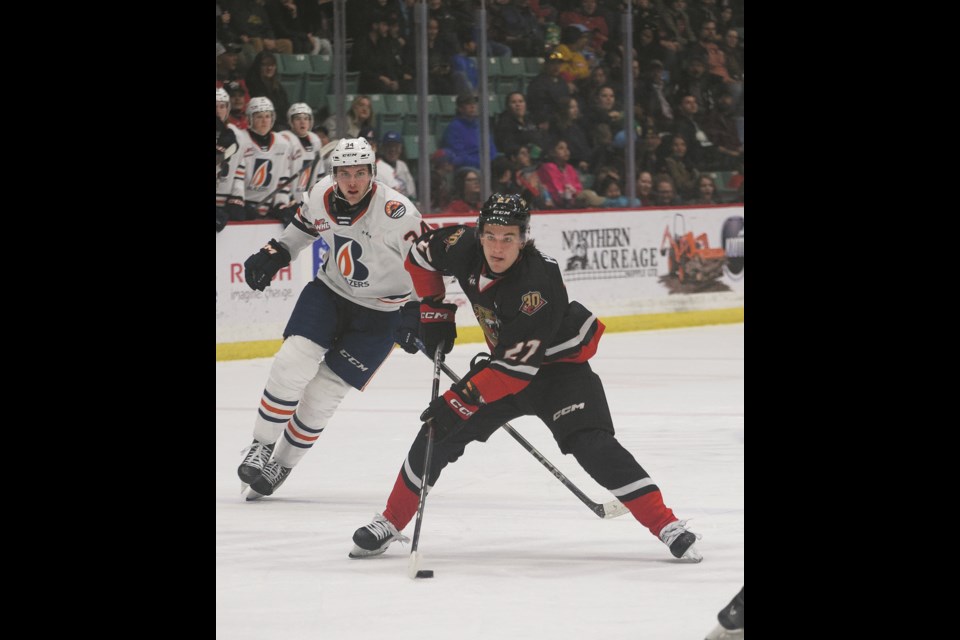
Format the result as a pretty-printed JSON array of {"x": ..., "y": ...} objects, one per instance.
[
  {"x": 258, "y": 453},
  {"x": 680, "y": 541},
  {"x": 373, "y": 539},
  {"x": 269, "y": 481}
]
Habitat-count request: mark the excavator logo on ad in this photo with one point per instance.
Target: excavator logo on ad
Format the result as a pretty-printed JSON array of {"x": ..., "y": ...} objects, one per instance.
[
  {"x": 348, "y": 253},
  {"x": 693, "y": 266}
]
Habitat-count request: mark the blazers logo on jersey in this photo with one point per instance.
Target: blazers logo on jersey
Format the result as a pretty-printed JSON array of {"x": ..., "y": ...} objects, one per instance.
[
  {"x": 394, "y": 209},
  {"x": 532, "y": 302},
  {"x": 489, "y": 323},
  {"x": 348, "y": 253},
  {"x": 261, "y": 176},
  {"x": 453, "y": 238}
]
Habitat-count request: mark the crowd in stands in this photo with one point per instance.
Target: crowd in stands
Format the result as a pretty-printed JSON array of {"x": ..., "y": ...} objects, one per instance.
[{"x": 558, "y": 137}]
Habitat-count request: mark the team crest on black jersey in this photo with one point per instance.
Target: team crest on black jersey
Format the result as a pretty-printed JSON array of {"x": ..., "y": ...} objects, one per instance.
[
  {"x": 532, "y": 302},
  {"x": 395, "y": 209},
  {"x": 348, "y": 253},
  {"x": 488, "y": 322},
  {"x": 453, "y": 238}
]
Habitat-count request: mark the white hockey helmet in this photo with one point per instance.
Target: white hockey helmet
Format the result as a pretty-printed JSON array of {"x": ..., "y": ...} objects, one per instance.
[
  {"x": 259, "y": 105},
  {"x": 351, "y": 152},
  {"x": 297, "y": 108},
  {"x": 222, "y": 95}
]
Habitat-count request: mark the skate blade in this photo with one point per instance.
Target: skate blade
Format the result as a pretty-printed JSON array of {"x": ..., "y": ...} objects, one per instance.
[{"x": 250, "y": 495}]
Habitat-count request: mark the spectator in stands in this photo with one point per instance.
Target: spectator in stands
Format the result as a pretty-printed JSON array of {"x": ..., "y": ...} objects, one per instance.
[
  {"x": 527, "y": 178},
  {"x": 645, "y": 16},
  {"x": 513, "y": 128},
  {"x": 648, "y": 150},
  {"x": 518, "y": 27},
  {"x": 648, "y": 48},
  {"x": 440, "y": 80},
  {"x": 559, "y": 177},
  {"x": 441, "y": 183},
  {"x": 645, "y": 188},
  {"x": 695, "y": 81},
  {"x": 252, "y": 21},
  {"x": 372, "y": 57},
  {"x": 706, "y": 191},
  {"x": 568, "y": 125},
  {"x": 228, "y": 69},
  {"x": 263, "y": 81},
  {"x": 676, "y": 32},
  {"x": 287, "y": 23},
  {"x": 656, "y": 96},
  {"x": 708, "y": 50},
  {"x": 404, "y": 52},
  {"x": 604, "y": 110},
  {"x": 700, "y": 148},
  {"x": 360, "y": 115},
  {"x": 466, "y": 190},
  {"x": 720, "y": 126},
  {"x": 393, "y": 171},
  {"x": 463, "y": 65},
  {"x": 703, "y": 11},
  {"x": 679, "y": 167},
  {"x": 733, "y": 50},
  {"x": 665, "y": 194},
  {"x": 238, "y": 105},
  {"x": 440, "y": 44},
  {"x": 448, "y": 23},
  {"x": 547, "y": 91},
  {"x": 461, "y": 139},
  {"x": 599, "y": 76},
  {"x": 574, "y": 39},
  {"x": 588, "y": 15}
]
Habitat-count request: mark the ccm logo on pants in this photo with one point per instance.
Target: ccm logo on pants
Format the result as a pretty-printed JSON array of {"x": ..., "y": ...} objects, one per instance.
[{"x": 567, "y": 410}]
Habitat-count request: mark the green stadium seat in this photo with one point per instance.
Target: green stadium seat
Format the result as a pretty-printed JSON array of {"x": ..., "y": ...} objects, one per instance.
[{"x": 447, "y": 104}]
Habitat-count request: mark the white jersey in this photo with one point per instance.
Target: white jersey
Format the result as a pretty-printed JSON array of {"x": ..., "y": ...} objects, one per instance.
[
  {"x": 266, "y": 169},
  {"x": 398, "y": 177},
  {"x": 230, "y": 180},
  {"x": 365, "y": 259},
  {"x": 305, "y": 162}
]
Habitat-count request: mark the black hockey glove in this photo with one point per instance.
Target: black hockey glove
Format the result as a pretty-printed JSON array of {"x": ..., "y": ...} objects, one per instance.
[
  {"x": 409, "y": 329},
  {"x": 449, "y": 411},
  {"x": 438, "y": 322},
  {"x": 235, "y": 209},
  {"x": 260, "y": 268},
  {"x": 284, "y": 212}
]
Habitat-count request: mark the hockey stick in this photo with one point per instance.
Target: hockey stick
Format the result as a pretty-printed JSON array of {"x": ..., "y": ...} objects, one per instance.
[
  {"x": 606, "y": 510},
  {"x": 413, "y": 567}
]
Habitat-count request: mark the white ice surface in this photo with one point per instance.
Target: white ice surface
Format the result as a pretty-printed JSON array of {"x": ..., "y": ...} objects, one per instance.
[{"x": 516, "y": 555}]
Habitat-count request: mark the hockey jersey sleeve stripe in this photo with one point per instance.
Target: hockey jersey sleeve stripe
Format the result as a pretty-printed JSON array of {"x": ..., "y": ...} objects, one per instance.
[
  {"x": 427, "y": 281},
  {"x": 575, "y": 340},
  {"x": 517, "y": 368},
  {"x": 303, "y": 225},
  {"x": 583, "y": 351},
  {"x": 493, "y": 384}
]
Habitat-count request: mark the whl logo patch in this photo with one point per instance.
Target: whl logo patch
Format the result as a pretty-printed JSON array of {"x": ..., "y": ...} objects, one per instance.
[
  {"x": 532, "y": 302},
  {"x": 348, "y": 253}
]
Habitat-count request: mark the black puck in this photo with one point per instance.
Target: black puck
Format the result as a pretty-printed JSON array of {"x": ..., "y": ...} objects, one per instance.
[{"x": 425, "y": 573}]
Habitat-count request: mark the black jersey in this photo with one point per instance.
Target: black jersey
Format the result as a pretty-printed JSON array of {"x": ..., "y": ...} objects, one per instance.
[{"x": 525, "y": 315}]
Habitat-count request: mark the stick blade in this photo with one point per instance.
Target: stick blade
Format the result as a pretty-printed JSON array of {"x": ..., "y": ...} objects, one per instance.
[
  {"x": 413, "y": 566},
  {"x": 614, "y": 509}
]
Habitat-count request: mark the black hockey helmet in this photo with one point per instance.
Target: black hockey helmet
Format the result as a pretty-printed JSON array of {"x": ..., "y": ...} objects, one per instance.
[{"x": 505, "y": 209}]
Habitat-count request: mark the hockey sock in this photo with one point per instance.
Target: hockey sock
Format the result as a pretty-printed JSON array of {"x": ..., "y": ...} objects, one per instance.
[
  {"x": 293, "y": 367},
  {"x": 321, "y": 397},
  {"x": 402, "y": 504}
]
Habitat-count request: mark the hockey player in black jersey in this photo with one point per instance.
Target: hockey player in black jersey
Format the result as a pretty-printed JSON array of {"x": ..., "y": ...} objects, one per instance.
[{"x": 539, "y": 344}]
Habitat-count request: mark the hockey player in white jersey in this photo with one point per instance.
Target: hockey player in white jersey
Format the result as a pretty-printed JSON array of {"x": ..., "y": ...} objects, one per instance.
[
  {"x": 345, "y": 321},
  {"x": 305, "y": 160},
  {"x": 230, "y": 167},
  {"x": 267, "y": 159}
]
